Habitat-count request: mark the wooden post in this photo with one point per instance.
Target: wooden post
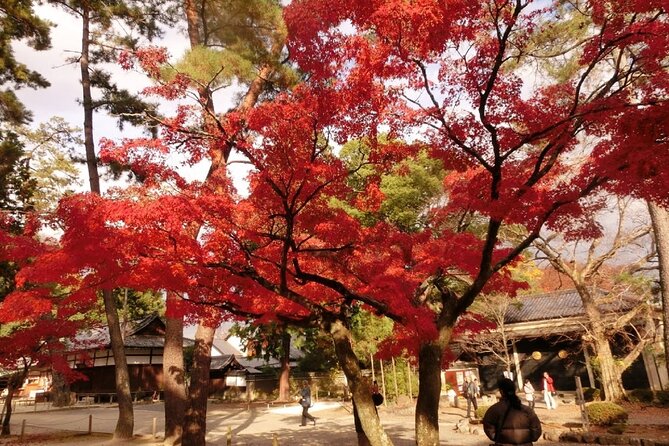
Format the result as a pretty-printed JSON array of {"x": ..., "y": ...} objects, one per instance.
[
  {"x": 371, "y": 360},
  {"x": 23, "y": 429},
  {"x": 275, "y": 440},
  {"x": 516, "y": 363},
  {"x": 409, "y": 380},
  {"x": 229, "y": 439},
  {"x": 397, "y": 392},
  {"x": 153, "y": 427},
  {"x": 588, "y": 366},
  {"x": 581, "y": 403},
  {"x": 90, "y": 423},
  {"x": 383, "y": 383}
]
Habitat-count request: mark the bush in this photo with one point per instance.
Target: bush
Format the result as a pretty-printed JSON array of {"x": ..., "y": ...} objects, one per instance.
[
  {"x": 591, "y": 394},
  {"x": 605, "y": 414},
  {"x": 640, "y": 396},
  {"x": 481, "y": 411},
  {"x": 662, "y": 398}
]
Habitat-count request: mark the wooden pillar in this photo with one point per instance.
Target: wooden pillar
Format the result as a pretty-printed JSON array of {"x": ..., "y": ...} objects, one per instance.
[
  {"x": 371, "y": 361},
  {"x": 409, "y": 381},
  {"x": 383, "y": 384},
  {"x": 588, "y": 366},
  {"x": 516, "y": 363},
  {"x": 397, "y": 392}
]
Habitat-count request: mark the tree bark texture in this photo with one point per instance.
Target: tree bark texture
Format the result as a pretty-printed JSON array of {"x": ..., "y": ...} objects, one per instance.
[
  {"x": 360, "y": 389},
  {"x": 60, "y": 390},
  {"x": 429, "y": 391},
  {"x": 174, "y": 383},
  {"x": 126, "y": 418},
  {"x": 610, "y": 373},
  {"x": 195, "y": 421},
  {"x": 13, "y": 383},
  {"x": 660, "y": 219}
]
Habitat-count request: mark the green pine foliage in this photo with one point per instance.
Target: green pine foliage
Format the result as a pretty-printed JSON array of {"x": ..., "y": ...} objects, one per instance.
[
  {"x": 414, "y": 184},
  {"x": 18, "y": 22}
]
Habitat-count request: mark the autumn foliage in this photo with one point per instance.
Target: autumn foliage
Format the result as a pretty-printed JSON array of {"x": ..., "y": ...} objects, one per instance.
[{"x": 458, "y": 79}]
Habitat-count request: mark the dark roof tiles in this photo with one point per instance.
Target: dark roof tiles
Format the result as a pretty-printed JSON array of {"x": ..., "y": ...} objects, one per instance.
[{"x": 560, "y": 304}]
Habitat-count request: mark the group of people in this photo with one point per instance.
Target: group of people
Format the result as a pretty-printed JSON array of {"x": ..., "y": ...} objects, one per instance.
[
  {"x": 509, "y": 422},
  {"x": 548, "y": 390}
]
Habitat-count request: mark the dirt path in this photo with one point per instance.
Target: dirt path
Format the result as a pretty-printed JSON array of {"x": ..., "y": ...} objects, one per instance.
[{"x": 260, "y": 423}]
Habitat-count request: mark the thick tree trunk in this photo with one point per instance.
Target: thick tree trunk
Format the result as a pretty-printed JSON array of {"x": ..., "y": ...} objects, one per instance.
[
  {"x": 195, "y": 422},
  {"x": 60, "y": 390},
  {"x": 126, "y": 418},
  {"x": 610, "y": 374},
  {"x": 660, "y": 219},
  {"x": 429, "y": 392},
  {"x": 174, "y": 383},
  {"x": 284, "y": 376},
  {"x": 362, "y": 392}
]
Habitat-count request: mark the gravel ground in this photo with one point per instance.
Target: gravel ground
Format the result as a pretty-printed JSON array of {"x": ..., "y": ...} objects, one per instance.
[{"x": 260, "y": 424}]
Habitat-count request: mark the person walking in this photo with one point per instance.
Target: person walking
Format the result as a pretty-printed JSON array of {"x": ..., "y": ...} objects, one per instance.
[
  {"x": 508, "y": 422},
  {"x": 470, "y": 391},
  {"x": 549, "y": 391},
  {"x": 305, "y": 402},
  {"x": 528, "y": 388}
]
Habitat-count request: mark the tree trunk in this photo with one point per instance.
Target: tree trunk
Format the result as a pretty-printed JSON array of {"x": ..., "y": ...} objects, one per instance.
[
  {"x": 195, "y": 422},
  {"x": 89, "y": 144},
  {"x": 362, "y": 392},
  {"x": 660, "y": 219},
  {"x": 6, "y": 429},
  {"x": 429, "y": 391},
  {"x": 174, "y": 384},
  {"x": 125, "y": 424},
  {"x": 610, "y": 374},
  {"x": 60, "y": 390},
  {"x": 284, "y": 376},
  {"x": 126, "y": 421}
]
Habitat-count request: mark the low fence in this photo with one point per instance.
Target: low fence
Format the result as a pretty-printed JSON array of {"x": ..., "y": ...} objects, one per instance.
[{"x": 85, "y": 425}]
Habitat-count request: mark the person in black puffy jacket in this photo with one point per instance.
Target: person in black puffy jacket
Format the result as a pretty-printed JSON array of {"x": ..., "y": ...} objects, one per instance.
[{"x": 508, "y": 422}]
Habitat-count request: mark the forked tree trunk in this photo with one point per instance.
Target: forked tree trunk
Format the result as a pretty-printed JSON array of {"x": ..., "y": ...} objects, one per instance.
[
  {"x": 284, "y": 376},
  {"x": 6, "y": 420},
  {"x": 195, "y": 422},
  {"x": 660, "y": 219},
  {"x": 360, "y": 389},
  {"x": 174, "y": 383}
]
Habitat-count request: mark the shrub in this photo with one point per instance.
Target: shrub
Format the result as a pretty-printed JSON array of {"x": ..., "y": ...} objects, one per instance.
[
  {"x": 481, "y": 411},
  {"x": 640, "y": 396},
  {"x": 591, "y": 394},
  {"x": 605, "y": 414},
  {"x": 662, "y": 397}
]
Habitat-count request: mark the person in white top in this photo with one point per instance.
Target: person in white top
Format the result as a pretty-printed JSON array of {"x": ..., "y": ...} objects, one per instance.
[{"x": 529, "y": 393}]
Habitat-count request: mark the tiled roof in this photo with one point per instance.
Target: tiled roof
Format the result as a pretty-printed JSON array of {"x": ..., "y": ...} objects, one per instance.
[
  {"x": 560, "y": 304},
  {"x": 224, "y": 362}
]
